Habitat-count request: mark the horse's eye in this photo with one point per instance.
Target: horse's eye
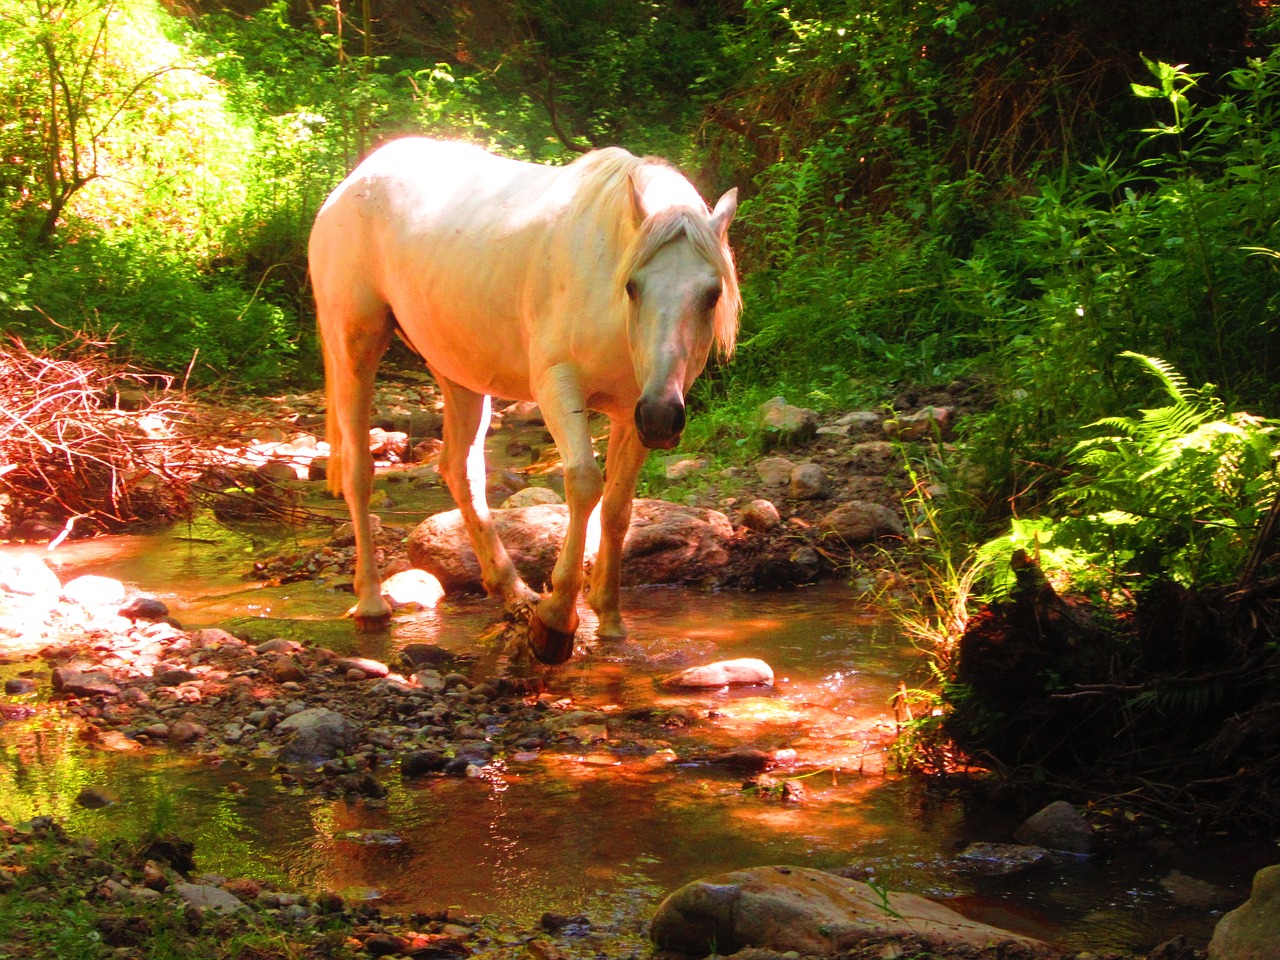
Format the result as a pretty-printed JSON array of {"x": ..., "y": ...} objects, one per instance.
[
  {"x": 632, "y": 292},
  {"x": 713, "y": 297}
]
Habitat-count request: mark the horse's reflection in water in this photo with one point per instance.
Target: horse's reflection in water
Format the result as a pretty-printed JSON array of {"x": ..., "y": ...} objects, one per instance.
[{"x": 602, "y": 285}]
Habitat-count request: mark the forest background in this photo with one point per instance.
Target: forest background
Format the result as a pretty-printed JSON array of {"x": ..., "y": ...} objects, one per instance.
[
  {"x": 931, "y": 190},
  {"x": 1072, "y": 205}
]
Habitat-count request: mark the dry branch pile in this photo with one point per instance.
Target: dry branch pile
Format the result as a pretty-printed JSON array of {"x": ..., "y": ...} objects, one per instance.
[{"x": 89, "y": 445}]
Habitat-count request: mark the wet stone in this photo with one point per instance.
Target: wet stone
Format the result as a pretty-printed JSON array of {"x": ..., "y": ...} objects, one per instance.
[
  {"x": 370, "y": 668},
  {"x": 287, "y": 670},
  {"x": 1059, "y": 826},
  {"x": 577, "y": 925},
  {"x": 1189, "y": 891},
  {"x": 144, "y": 608},
  {"x": 385, "y": 945},
  {"x": 743, "y": 760},
  {"x": 83, "y": 684},
  {"x": 214, "y": 637},
  {"x": 416, "y": 656},
  {"x": 171, "y": 678},
  {"x": 1002, "y": 859},
  {"x": 94, "y": 591},
  {"x": 91, "y": 798},
  {"x": 420, "y": 762},
  {"x": 742, "y": 671},
  {"x": 205, "y": 897},
  {"x": 184, "y": 731}
]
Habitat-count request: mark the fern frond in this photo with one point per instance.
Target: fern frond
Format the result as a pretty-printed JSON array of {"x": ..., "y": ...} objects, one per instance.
[
  {"x": 1174, "y": 382},
  {"x": 1166, "y": 424}
]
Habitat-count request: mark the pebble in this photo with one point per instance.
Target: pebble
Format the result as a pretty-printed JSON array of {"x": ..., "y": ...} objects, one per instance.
[{"x": 760, "y": 515}]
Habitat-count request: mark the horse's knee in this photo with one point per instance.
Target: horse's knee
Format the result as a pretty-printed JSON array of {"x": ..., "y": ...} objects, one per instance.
[{"x": 583, "y": 485}]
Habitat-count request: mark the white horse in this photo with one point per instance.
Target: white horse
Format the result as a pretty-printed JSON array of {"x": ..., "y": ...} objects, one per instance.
[{"x": 601, "y": 285}]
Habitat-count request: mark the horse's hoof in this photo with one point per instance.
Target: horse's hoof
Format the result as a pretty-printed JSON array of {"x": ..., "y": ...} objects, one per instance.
[
  {"x": 611, "y": 628},
  {"x": 371, "y": 622},
  {"x": 550, "y": 646}
]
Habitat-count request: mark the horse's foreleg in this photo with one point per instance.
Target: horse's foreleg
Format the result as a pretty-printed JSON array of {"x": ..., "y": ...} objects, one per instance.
[
  {"x": 623, "y": 461},
  {"x": 466, "y": 421},
  {"x": 563, "y": 406}
]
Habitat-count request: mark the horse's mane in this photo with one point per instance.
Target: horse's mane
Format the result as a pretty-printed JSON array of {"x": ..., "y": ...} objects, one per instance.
[{"x": 605, "y": 192}]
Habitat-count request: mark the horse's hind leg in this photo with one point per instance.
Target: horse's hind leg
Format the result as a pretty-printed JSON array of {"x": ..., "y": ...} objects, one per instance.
[
  {"x": 354, "y": 341},
  {"x": 466, "y": 421}
]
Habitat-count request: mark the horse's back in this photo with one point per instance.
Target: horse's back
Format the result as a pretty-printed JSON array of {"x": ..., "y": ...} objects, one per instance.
[{"x": 420, "y": 185}]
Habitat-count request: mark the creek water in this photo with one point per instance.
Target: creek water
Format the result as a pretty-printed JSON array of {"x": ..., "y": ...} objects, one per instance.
[{"x": 594, "y": 833}]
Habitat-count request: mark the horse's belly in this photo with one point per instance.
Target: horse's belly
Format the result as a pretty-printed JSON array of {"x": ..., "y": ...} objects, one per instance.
[{"x": 482, "y": 351}]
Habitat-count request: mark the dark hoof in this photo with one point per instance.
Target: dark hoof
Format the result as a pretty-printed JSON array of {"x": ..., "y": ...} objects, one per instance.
[{"x": 549, "y": 645}]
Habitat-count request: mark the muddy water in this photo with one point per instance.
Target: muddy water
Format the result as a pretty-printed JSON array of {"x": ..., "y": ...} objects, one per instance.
[{"x": 592, "y": 832}]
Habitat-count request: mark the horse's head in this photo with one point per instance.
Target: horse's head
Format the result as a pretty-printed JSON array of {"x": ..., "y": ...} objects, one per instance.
[{"x": 683, "y": 298}]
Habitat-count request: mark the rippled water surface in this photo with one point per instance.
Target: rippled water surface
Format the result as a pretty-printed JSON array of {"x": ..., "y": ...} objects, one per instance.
[{"x": 593, "y": 832}]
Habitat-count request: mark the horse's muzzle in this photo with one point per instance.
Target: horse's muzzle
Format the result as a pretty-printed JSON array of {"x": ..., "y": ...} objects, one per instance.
[{"x": 660, "y": 422}]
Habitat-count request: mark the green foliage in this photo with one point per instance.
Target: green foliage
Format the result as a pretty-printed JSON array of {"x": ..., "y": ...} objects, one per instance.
[
  {"x": 1177, "y": 492},
  {"x": 136, "y": 292},
  {"x": 1158, "y": 256}
]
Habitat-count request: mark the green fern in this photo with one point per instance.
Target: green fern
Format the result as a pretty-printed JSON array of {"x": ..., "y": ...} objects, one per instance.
[
  {"x": 1176, "y": 491},
  {"x": 1179, "y": 488}
]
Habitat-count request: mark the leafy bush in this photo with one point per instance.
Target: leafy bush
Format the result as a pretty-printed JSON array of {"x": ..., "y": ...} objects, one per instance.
[{"x": 159, "y": 312}]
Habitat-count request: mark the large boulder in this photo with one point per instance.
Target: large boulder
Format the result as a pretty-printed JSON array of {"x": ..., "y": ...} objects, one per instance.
[
  {"x": 1252, "y": 931},
  {"x": 805, "y": 910},
  {"x": 667, "y": 543}
]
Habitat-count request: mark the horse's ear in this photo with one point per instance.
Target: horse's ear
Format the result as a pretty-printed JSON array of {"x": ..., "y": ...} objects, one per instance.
[
  {"x": 722, "y": 215},
  {"x": 637, "y": 201}
]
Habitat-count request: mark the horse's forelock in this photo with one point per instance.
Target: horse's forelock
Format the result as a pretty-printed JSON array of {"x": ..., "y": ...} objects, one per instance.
[{"x": 671, "y": 224}]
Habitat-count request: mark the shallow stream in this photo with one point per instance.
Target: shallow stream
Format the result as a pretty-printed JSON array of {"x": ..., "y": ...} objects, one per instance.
[{"x": 592, "y": 833}]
